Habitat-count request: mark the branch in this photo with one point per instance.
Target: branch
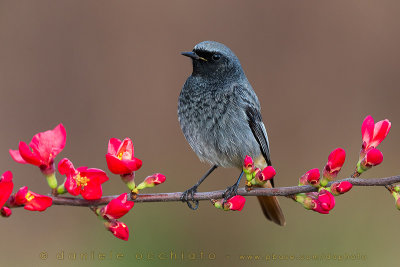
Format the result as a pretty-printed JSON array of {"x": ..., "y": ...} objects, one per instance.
[{"x": 279, "y": 191}]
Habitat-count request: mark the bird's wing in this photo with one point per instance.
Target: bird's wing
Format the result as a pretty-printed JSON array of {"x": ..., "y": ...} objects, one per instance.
[
  {"x": 258, "y": 129},
  {"x": 252, "y": 109}
]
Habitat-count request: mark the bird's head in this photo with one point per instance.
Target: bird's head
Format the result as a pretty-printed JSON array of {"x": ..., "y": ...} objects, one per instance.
[{"x": 214, "y": 60}]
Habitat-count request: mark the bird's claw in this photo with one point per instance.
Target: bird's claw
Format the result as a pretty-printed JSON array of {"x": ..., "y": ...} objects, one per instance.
[
  {"x": 188, "y": 197},
  {"x": 231, "y": 191}
]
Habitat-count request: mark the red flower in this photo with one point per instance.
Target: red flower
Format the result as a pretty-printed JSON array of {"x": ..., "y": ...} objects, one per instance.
[
  {"x": 341, "y": 188},
  {"x": 374, "y": 133},
  {"x": 5, "y": 212},
  {"x": 117, "y": 207},
  {"x": 42, "y": 150},
  {"x": 120, "y": 159},
  {"x": 82, "y": 180},
  {"x": 266, "y": 174},
  {"x": 324, "y": 203},
  {"x": 311, "y": 177},
  {"x": 6, "y": 187},
  {"x": 118, "y": 229},
  {"x": 31, "y": 200},
  {"x": 235, "y": 203}
]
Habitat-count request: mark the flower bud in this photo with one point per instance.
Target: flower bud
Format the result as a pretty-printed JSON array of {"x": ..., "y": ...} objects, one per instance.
[
  {"x": 118, "y": 229},
  {"x": 252, "y": 177},
  {"x": 311, "y": 177},
  {"x": 373, "y": 157},
  {"x": 341, "y": 188},
  {"x": 266, "y": 174},
  {"x": 117, "y": 207},
  {"x": 6, "y": 212},
  {"x": 333, "y": 166},
  {"x": 305, "y": 200},
  {"x": 234, "y": 203},
  {"x": 248, "y": 165},
  {"x": 152, "y": 181},
  {"x": 324, "y": 203}
]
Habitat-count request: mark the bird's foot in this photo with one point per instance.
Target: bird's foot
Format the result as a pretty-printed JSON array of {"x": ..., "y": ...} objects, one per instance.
[
  {"x": 188, "y": 197},
  {"x": 231, "y": 191}
]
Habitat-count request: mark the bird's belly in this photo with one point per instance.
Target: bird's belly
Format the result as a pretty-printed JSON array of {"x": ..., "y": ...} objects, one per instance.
[{"x": 222, "y": 139}]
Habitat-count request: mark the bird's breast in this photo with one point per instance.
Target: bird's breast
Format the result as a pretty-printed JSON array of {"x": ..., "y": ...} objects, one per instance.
[{"x": 215, "y": 126}]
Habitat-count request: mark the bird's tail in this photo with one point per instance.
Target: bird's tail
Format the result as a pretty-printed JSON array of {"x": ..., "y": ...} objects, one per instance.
[{"x": 270, "y": 207}]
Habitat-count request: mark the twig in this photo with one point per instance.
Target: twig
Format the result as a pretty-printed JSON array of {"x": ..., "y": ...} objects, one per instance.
[{"x": 168, "y": 197}]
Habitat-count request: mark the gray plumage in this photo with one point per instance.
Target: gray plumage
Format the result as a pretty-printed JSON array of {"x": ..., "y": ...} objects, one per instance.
[
  {"x": 219, "y": 112},
  {"x": 220, "y": 116}
]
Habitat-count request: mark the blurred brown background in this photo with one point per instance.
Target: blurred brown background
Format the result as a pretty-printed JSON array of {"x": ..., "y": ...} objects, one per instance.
[{"x": 112, "y": 69}]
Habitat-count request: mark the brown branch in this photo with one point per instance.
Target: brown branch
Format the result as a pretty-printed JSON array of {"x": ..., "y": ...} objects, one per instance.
[{"x": 168, "y": 197}]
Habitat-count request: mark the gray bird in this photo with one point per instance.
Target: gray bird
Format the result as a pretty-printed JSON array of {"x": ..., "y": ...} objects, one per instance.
[{"x": 220, "y": 117}]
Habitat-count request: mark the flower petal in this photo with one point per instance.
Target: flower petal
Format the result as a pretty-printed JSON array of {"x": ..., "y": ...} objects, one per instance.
[
  {"x": 38, "y": 203},
  {"x": 113, "y": 146},
  {"x": 28, "y": 155},
  {"x": 95, "y": 175},
  {"x": 367, "y": 129},
  {"x": 16, "y": 156},
  {"x": 71, "y": 186},
  {"x": 381, "y": 130},
  {"x": 20, "y": 196},
  {"x": 117, "y": 166},
  {"x": 92, "y": 191},
  {"x": 6, "y": 187},
  {"x": 65, "y": 167},
  {"x": 127, "y": 149},
  {"x": 49, "y": 144}
]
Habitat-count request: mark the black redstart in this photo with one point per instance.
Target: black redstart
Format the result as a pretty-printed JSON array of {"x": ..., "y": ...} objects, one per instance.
[{"x": 220, "y": 117}]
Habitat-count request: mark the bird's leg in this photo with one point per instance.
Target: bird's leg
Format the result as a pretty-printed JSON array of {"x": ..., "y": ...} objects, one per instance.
[
  {"x": 232, "y": 190},
  {"x": 191, "y": 191}
]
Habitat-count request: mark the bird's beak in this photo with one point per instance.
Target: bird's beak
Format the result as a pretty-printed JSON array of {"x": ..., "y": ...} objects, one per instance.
[{"x": 193, "y": 55}]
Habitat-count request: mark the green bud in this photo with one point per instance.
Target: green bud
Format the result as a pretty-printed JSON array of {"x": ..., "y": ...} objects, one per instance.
[
  {"x": 218, "y": 204},
  {"x": 361, "y": 168},
  {"x": 131, "y": 185},
  {"x": 144, "y": 185},
  {"x": 300, "y": 198},
  {"x": 61, "y": 189},
  {"x": 52, "y": 180},
  {"x": 324, "y": 182},
  {"x": 249, "y": 176}
]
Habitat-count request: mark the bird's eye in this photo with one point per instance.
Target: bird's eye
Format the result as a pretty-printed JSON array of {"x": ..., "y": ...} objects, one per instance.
[{"x": 216, "y": 57}]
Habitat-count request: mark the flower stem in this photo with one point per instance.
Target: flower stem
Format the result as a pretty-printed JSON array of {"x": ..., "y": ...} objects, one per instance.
[{"x": 52, "y": 180}]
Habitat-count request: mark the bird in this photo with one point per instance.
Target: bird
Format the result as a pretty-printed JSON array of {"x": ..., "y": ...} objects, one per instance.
[{"x": 220, "y": 117}]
